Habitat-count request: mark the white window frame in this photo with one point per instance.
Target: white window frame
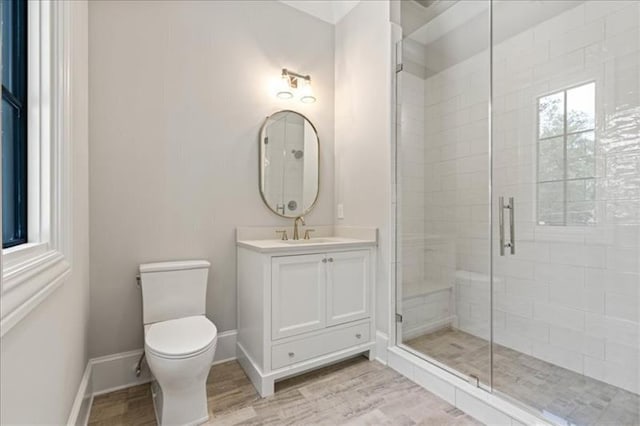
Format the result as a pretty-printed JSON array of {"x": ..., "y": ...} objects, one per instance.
[
  {"x": 566, "y": 227},
  {"x": 32, "y": 271}
]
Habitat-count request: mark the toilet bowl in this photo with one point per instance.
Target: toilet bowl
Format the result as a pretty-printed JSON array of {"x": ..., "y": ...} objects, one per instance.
[
  {"x": 179, "y": 353},
  {"x": 179, "y": 341}
]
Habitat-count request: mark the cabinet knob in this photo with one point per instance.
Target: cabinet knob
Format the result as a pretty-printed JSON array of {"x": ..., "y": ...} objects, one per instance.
[
  {"x": 358, "y": 336},
  {"x": 291, "y": 354},
  {"x": 324, "y": 260},
  {"x": 331, "y": 259}
]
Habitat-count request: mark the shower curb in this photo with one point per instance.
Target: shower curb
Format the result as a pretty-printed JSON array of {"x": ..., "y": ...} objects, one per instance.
[{"x": 478, "y": 403}]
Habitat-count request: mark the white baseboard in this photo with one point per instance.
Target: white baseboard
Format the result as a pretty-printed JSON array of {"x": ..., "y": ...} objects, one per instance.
[
  {"x": 226, "y": 350},
  {"x": 81, "y": 408},
  {"x": 118, "y": 371},
  {"x": 382, "y": 343}
]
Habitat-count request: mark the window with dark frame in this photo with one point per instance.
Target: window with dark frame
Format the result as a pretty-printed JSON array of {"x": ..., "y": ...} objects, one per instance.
[
  {"x": 566, "y": 184},
  {"x": 14, "y": 122}
]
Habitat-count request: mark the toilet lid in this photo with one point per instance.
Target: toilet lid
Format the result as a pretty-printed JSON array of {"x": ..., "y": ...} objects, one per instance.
[{"x": 180, "y": 337}]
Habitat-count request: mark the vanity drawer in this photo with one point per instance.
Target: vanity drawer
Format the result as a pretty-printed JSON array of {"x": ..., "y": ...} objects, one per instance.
[{"x": 324, "y": 343}]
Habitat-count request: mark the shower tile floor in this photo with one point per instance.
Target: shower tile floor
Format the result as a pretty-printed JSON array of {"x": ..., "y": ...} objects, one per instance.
[
  {"x": 557, "y": 393},
  {"x": 355, "y": 392}
]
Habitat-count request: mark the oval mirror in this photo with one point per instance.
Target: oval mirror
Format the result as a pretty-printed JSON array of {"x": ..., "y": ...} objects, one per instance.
[{"x": 289, "y": 164}]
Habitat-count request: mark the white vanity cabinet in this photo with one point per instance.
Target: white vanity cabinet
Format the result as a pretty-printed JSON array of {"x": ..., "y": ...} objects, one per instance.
[
  {"x": 298, "y": 295},
  {"x": 302, "y": 307},
  {"x": 347, "y": 286}
]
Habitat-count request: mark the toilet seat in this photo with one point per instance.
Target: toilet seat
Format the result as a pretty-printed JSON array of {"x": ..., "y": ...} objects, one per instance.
[{"x": 180, "y": 338}]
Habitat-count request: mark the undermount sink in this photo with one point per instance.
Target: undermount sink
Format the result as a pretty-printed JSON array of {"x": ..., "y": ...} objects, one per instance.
[{"x": 309, "y": 241}]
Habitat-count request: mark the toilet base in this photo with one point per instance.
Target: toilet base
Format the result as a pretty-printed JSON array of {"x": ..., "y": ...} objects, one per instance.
[
  {"x": 180, "y": 386},
  {"x": 183, "y": 410}
]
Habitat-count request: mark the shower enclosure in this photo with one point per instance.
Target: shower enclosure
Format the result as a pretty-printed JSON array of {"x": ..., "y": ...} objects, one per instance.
[{"x": 518, "y": 200}]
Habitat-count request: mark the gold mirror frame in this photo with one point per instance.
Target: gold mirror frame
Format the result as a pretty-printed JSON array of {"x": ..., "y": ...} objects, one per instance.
[{"x": 261, "y": 137}]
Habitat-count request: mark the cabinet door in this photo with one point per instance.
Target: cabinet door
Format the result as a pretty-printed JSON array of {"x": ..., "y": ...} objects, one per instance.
[
  {"x": 347, "y": 286},
  {"x": 297, "y": 294}
]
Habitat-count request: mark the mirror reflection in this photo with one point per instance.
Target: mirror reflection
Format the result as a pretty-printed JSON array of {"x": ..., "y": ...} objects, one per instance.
[{"x": 289, "y": 163}]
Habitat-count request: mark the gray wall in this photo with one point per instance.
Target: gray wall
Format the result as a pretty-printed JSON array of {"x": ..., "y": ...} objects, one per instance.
[
  {"x": 178, "y": 92},
  {"x": 362, "y": 149},
  {"x": 43, "y": 357}
]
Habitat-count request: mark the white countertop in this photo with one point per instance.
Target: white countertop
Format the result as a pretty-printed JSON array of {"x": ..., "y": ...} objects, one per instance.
[
  {"x": 325, "y": 237},
  {"x": 324, "y": 243}
]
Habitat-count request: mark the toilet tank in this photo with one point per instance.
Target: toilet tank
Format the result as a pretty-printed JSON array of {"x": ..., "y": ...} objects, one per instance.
[{"x": 172, "y": 290}]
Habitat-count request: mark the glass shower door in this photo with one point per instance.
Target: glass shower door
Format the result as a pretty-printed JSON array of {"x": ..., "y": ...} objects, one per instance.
[
  {"x": 518, "y": 200},
  {"x": 443, "y": 203},
  {"x": 566, "y": 183}
]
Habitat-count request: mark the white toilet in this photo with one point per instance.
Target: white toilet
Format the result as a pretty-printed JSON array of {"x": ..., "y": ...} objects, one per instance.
[{"x": 179, "y": 341}]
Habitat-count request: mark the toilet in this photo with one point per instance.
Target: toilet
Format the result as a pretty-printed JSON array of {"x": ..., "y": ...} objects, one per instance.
[{"x": 179, "y": 340}]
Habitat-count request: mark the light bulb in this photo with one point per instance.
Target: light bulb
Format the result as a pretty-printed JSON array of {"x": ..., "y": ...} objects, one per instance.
[
  {"x": 284, "y": 89},
  {"x": 307, "y": 93}
]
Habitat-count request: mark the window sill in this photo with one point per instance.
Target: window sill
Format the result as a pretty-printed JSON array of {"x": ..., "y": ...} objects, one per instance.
[
  {"x": 21, "y": 253},
  {"x": 30, "y": 273}
]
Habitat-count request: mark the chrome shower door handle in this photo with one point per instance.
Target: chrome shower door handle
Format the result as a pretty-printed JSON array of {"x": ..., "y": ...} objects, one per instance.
[
  {"x": 501, "y": 223},
  {"x": 512, "y": 225}
]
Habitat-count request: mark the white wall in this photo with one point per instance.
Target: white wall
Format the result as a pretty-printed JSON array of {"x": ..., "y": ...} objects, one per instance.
[
  {"x": 43, "y": 357},
  {"x": 362, "y": 131},
  {"x": 178, "y": 93}
]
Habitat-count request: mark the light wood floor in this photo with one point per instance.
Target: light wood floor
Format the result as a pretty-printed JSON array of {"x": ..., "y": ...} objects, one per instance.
[
  {"x": 356, "y": 391},
  {"x": 548, "y": 388}
]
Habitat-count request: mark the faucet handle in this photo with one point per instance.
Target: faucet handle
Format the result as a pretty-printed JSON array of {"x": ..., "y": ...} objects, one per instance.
[
  {"x": 307, "y": 233},
  {"x": 285, "y": 237}
]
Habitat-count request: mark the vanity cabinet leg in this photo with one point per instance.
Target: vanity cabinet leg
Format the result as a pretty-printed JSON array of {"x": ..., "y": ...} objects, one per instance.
[
  {"x": 267, "y": 387},
  {"x": 371, "y": 354}
]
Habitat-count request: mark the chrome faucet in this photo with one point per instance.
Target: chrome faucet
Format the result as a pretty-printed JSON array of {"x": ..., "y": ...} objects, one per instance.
[{"x": 296, "y": 236}]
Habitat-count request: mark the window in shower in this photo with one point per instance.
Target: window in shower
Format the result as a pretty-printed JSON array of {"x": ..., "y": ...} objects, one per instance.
[{"x": 566, "y": 157}]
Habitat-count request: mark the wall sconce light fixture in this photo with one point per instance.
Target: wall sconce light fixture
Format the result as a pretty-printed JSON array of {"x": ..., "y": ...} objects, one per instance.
[{"x": 291, "y": 82}]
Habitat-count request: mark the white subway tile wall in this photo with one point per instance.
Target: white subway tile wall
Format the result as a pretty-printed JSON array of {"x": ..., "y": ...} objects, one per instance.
[
  {"x": 426, "y": 298},
  {"x": 588, "y": 321}
]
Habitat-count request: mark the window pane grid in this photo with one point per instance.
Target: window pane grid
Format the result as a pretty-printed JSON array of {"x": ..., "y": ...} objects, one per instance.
[
  {"x": 567, "y": 134},
  {"x": 12, "y": 100},
  {"x": 566, "y": 180},
  {"x": 566, "y": 157}
]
